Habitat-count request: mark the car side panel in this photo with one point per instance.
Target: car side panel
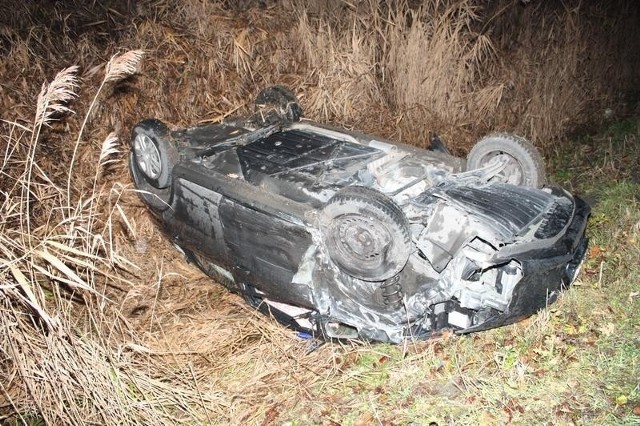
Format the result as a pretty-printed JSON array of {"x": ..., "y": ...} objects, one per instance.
[
  {"x": 260, "y": 237},
  {"x": 266, "y": 251},
  {"x": 194, "y": 220}
]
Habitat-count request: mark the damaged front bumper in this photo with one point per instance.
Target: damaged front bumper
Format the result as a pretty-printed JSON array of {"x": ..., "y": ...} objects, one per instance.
[
  {"x": 525, "y": 278},
  {"x": 546, "y": 271}
]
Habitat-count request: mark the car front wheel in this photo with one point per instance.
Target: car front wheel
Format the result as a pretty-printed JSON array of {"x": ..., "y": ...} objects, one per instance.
[
  {"x": 366, "y": 234},
  {"x": 524, "y": 165}
]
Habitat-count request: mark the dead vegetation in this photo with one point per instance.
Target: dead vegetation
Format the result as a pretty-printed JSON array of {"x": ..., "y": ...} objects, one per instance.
[{"x": 102, "y": 321}]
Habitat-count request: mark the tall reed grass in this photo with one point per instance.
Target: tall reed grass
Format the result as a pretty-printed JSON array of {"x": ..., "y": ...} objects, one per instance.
[
  {"x": 65, "y": 355},
  {"x": 463, "y": 68}
]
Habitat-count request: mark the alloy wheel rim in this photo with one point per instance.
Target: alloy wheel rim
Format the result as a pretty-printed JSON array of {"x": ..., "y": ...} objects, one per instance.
[{"x": 147, "y": 156}]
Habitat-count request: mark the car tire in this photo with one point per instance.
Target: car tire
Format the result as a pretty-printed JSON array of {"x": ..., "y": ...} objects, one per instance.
[
  {"x": 525, "y": 166},
  {"x": 282, "y": 100},
  {"x": 153, "y": 156},
  {"x": 366, "y": 234}
]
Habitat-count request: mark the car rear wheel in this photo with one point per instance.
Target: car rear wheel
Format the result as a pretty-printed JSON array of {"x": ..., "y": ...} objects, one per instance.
[
  {"x": 524, "y": 164},
  {"x": 153, "y": 156},
  {"x": 366, "y": 234},
  {"x": 281, "y": 100}
]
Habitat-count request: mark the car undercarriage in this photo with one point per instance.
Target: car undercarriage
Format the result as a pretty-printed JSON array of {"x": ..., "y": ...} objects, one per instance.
[{"x": 346, "y": 235}]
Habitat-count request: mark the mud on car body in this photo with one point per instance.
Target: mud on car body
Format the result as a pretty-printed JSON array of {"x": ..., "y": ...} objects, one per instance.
[{"x": 346, "y": 235}]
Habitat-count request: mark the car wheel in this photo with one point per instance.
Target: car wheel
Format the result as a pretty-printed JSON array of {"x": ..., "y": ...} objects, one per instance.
[
  {"x": 282, "y": 100},
  {"x": 525, "y": 166},
  {"x": 366, "y": 234},
  {"x": 152, "y": 159}
]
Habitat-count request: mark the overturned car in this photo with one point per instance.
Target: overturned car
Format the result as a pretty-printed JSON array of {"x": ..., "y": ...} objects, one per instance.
[{"x": 345, "y": 235}]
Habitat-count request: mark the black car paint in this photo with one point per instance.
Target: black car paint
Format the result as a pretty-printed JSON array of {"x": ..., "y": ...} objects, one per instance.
[{"x": 249, "y": 200}]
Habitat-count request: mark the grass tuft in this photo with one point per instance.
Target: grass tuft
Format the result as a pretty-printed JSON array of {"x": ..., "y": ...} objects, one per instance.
[
  {"x": 122, "y": 66},
  {"x": 54, "y": 97}
]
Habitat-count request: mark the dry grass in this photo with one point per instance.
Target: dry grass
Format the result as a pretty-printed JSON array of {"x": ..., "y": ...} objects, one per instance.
[
  {"x": 63, "y": 352},
  {"x": 435, "y": 61},
  {"x": 104, "y": 323}
]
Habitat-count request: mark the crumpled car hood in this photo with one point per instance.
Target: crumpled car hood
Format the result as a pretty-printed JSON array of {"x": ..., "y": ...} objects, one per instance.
[
  {"x": 510, "y": 210},
  {"x": 498, "y": 214}
]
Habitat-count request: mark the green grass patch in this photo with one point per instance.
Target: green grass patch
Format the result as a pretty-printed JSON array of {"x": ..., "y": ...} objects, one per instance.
[{"x": 622, "y": 128}]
